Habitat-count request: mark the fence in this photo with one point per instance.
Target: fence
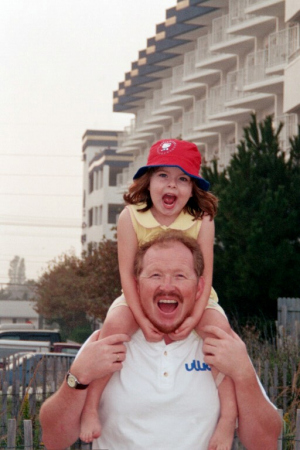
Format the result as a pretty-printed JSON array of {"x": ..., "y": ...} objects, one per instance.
[
  {"x": 288, "y": 317},
  {"x": 22, "y": 392},
  {"x": 29, "y": 441}
]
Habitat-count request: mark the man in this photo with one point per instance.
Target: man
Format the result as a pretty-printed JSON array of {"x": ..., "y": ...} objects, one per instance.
[{"x": 165, "y": 396}]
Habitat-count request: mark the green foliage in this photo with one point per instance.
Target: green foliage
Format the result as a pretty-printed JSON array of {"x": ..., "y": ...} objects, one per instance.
[
  {"x": 257, "y": 247},
  {"x": 73, "y": 292}
]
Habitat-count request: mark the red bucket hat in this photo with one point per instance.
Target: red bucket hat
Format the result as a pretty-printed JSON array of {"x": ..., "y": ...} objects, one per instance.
[{"x": 175, "y": 153}]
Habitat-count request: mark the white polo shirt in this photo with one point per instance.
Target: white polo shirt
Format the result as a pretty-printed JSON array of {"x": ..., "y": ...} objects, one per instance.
[{"x": 163, "y": 398}]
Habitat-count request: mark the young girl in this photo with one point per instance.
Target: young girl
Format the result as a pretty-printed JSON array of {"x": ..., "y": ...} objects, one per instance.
[{"x": 166, "y": 193}]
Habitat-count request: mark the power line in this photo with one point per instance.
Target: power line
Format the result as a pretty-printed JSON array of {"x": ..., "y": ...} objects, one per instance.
[
  {"x": 40, "y": 195},
  {"x": 38, "y": 175},
  {"x": 40, "y": 156}
]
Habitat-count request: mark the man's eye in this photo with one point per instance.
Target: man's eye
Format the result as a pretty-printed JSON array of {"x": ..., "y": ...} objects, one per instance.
[
  {"x": 155, "y": 275},
  {"x": 180, "y": 276}
]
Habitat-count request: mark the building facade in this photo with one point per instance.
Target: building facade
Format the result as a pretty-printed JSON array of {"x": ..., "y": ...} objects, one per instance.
[
  {"x": 211, "y": 64},
  {"x": 102, "y": 201}
]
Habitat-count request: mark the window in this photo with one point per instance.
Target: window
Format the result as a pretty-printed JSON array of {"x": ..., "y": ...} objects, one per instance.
[
  {"x": 113, "y": 172},
  {"x": 91, "y": 183},
  {"x": 91, "y": 217},
  {"x": 113, "y": 212}
]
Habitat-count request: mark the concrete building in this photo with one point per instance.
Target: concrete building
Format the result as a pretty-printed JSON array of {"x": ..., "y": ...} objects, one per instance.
[
  {"x": 19, "y": 312},
  {"x": 102, "y": 202},
  {"x": 209, "y": 66}
]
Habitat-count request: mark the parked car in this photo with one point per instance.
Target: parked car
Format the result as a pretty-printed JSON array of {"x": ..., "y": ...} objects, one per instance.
[
  {"x": 51, "y": 336},
  {"x": 9, "y": 347},
  {"x": 70, "y": 348}
]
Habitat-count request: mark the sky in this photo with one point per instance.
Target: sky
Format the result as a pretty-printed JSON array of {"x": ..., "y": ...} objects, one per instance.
[{"x": 60, "y": 61}]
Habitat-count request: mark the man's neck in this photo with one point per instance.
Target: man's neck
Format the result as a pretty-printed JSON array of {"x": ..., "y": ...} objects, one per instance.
[{"x": 167, "y": 339}]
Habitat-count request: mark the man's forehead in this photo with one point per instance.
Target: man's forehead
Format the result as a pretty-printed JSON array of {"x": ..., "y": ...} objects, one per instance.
[{"x": 175, "y": 253}]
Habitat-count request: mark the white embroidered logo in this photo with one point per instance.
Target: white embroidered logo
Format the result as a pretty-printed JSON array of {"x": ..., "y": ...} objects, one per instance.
[{"x": 166, "y": 147}]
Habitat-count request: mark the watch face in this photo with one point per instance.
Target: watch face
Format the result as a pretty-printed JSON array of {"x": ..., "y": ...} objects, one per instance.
[{"x": 72, "y": 380}]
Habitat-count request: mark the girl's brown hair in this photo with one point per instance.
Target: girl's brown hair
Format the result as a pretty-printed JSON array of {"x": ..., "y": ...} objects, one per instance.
[{"x": 200, "y": 203}]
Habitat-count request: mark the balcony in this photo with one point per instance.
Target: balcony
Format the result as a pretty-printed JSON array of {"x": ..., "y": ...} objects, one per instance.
[
  {"x": 268, "y": 7},
  {"x": 226, "y": 154},
  {"x": 223, "y": 40},
  {"x": 289, "y": 129},
  {"x": 184, "y": 89},
  {"x": 160, "y": 104},
  {"x": 223, "y": 104},
  {"x": 124, "y": 179},
  {"x": 257, "y": 77},
  {"x": 202, "y": 122},
  {"x": 238, "y": 97},
  {"x": 206, "y": 58},
  {"x": 282, "y": 45},
  {"x": 175, "y": 131},
  {"x": 241, "y": 22}
]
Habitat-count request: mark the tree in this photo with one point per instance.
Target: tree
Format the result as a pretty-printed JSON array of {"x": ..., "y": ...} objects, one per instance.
[
  {"x": 257, "y": 247},
  {"x": 17, "y": 278},
  {"x": 74, "y": 291}
]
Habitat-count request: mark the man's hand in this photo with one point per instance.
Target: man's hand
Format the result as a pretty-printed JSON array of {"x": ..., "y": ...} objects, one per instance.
[
  {"x": 226, "y": 352},
  {"x": 99, "y": 357}
]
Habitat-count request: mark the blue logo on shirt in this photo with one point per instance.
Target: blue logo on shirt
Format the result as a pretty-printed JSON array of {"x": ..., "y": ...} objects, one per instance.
[{"x": 196, "y": 365}]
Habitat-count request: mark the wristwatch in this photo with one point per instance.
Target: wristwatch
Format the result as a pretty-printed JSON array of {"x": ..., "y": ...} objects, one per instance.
[{"x": 73, "y": 383}]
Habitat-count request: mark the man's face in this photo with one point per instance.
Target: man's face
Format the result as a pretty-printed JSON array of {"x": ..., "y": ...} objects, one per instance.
[{"x": 168, "y": 285}]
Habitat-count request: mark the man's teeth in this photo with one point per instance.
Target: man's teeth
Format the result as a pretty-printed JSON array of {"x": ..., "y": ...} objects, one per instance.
[{"x": 167, "y": 301}]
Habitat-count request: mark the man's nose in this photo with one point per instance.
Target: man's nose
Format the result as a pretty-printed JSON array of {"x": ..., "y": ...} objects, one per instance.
[{"x": 167, "y": 282}]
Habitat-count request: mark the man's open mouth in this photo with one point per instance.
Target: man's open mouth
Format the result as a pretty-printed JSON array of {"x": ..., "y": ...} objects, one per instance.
[{"x": 167, "y": 306}]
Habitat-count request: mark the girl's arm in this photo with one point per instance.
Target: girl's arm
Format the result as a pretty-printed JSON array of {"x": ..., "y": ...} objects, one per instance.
[
  {"x": 127, "y": 248},
  {"x": 205, "y": 240}
]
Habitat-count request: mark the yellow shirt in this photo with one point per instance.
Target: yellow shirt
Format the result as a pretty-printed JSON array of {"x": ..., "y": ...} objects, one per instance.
[{"x": 146, "y": 226}]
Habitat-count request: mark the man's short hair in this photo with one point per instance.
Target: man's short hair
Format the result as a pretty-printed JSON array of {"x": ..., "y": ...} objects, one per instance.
[{"x": 163, "y": 240}]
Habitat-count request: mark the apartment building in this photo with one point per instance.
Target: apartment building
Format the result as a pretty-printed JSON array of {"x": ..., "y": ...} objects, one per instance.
[
  {"x": 210, "y": 65},
  {"x": 102, "y": 201}
]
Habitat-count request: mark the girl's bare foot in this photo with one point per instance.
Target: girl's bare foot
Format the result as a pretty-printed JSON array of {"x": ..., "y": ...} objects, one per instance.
[
  {"x": 90, "y": 427},
  {"x": 223, "y": 436}
]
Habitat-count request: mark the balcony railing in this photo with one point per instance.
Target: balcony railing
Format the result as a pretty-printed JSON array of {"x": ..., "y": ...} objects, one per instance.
[
  {"x": 203, "y": 51},
  {"x": 226, "y": 153},
  {"x": 148, "y": 107},
  {"x": 282, "y": 44},
  {"x": 177, "y": 77},
  {"x": 289, "y": 129},
  {"x": 256, "y": 64},
  {"x": 166, "y": 88},
  {"x": 217, "y": 98},
  {"x": 200, "y": 112},
  {"x": 219, "y": 30},
  {"x": 189, "y": 64},
  {"x": 188, "y": 124},
  {"x": 140, "y": 118},
  {"x": 157, "y": 98},
  {"x": 237, "y": 12}
]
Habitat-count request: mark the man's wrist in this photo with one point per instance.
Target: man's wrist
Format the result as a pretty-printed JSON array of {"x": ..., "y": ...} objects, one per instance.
[{"x": 74, "y": 383}]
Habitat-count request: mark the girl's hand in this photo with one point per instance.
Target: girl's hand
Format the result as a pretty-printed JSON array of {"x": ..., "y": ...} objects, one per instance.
[
  {"x": 150, "y": 332},
  {"x": 184, "y": 330}
]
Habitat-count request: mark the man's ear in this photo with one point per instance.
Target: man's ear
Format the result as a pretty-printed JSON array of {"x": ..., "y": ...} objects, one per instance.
[{"x": 200, "y": 287}]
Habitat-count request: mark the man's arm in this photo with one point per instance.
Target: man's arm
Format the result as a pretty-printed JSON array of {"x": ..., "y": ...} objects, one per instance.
[
  {"x": 60, "y": 414},
  {"x": 259, "y": 424}
]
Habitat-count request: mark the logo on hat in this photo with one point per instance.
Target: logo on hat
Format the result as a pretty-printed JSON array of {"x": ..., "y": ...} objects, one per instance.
[{"x": 166, "y": 147}]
